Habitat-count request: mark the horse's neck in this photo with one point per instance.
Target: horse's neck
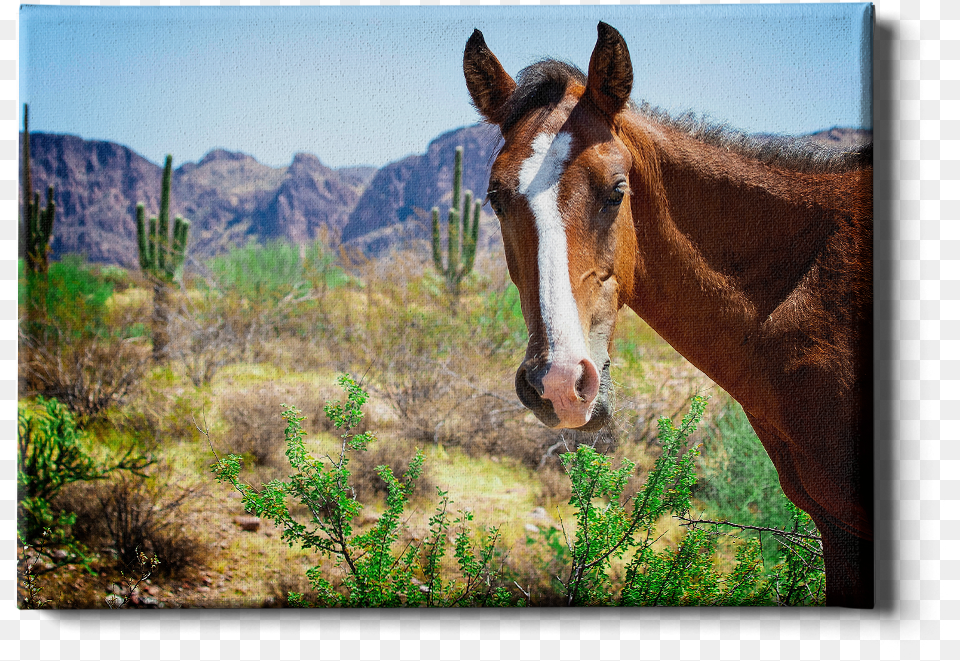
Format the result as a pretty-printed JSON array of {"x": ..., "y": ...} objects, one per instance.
[{"x": 723, "y": 242}]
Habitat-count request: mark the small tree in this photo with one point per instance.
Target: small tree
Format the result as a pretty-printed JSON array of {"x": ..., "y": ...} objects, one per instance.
[
  {"x": 462, "y": 235},
  {"x": 161, "y": 258}
]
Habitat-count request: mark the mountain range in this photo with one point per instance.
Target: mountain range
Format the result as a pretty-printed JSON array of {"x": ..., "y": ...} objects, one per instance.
[{"x": 230, "y": 198}]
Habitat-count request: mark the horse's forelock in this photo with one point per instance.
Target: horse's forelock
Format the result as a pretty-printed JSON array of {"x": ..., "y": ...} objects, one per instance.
[{"x": 540, "y": 86}]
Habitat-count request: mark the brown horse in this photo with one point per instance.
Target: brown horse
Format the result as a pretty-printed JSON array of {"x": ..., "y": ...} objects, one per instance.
[{"x": 752, "y": 258}]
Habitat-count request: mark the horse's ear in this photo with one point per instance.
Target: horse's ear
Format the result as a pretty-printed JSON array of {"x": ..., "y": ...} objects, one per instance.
[
  {"x": 489, "y": 85},
  {"x": 610, "y": 78}
]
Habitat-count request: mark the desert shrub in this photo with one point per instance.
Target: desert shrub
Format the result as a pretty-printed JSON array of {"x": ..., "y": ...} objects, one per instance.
[
  {"x": 76, "y": 298},
  {"x": 87, "y": 375},
  {"x": 497, "y": 322},
  {"x": 379, "y": 568},
  {"x": 52, "y": 452},
  {"x": 447, "y": 377},
  {"x": 254, "y": 423},
  {"x": 555, "y": 483},
  {"x": 119, "y": 278},
  {"x": 271, "y": 291},
  {"x": 421, "y": 392},
  {"x": 610, "y": 526},
  {"x": 738, "y": 475},
  {"x": 395, "y": 455},
  {"x": 289, "y": 584},
  {"x": 158, "y": 413},
  {"x": 204, "y": 337},
  {"x": 133, "y": 514},
  {"x": 255, "y": 270},
  {"x": 86, "y": 354}
]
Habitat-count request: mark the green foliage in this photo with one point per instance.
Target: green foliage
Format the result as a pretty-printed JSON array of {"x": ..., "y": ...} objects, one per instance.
[
  {"x": 83, "y": 354},
  {"x": 253, "y": 271},
  {"x": 687, "y": 574},
  {"x": 76, "y": 299},
  {"x": 276, "y": 269},
  {"x": 498, "y": 322},
  {"x": 462, "y": 233},
  {"x": 255, "y": 294},
  {"x": 738, "y": 476},
  {"x": 53, "y": 452},
  {"x": 379, "y": 569},
  {"x": 798, "y": 579}
]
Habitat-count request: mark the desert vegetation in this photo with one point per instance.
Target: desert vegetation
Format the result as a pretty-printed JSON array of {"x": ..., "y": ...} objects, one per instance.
[{"x": 467, "y": 497}]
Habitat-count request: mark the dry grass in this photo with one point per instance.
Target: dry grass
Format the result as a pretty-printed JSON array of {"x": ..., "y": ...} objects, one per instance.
[
  {"x": 131, "y": 513},
  {"x": 437, "y": 382}
]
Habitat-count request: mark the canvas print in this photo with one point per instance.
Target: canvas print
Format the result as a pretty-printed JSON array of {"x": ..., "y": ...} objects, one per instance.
[{"x": 446, "y": 307}]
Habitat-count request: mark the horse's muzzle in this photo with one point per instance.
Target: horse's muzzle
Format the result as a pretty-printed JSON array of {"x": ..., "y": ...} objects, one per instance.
[{"x": 530, "y": 390}]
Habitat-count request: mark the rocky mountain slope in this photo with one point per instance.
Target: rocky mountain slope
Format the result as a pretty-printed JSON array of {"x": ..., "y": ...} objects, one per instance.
[
  {"x": 231, "y": 198},
  {"x": 228, "y": 197},
  {"x": 402, "y": 193}
]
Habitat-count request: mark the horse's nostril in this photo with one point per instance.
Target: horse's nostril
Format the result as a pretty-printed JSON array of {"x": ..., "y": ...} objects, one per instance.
[
  {"x": 534, "y": 379},
  {"x": 587, "y": 386},
  {"x": 529, "y": 388},
  {"x": 579, "y": 385}
]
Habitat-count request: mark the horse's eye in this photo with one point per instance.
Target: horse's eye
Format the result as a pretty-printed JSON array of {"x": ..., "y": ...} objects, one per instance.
[
  {"x": 493, "y": 197},
  {"x": 612, "y": 203}
]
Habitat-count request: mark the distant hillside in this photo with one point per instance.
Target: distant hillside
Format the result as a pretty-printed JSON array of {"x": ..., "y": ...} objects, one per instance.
[
  {"x": 231, "y": 198},
  {"x": 843, "y": 138},
  {"x": 402, "y": 193},
  {"x": 228, "y": 197}
]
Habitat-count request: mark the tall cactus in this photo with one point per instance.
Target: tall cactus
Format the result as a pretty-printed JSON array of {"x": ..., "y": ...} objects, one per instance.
[
  {"x": 37, "y": 228},
  {"x": 161, "y": 258},
  {"x": 462, "y": 235}
]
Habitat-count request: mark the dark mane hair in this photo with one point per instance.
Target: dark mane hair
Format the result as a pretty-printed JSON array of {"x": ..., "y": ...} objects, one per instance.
[
  {"x": 798, "y": 153},
  {"x": 542, "y": 85}
]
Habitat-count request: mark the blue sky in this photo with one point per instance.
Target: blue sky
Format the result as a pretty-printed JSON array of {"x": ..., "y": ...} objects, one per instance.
[{"x": 370, "y": 85}]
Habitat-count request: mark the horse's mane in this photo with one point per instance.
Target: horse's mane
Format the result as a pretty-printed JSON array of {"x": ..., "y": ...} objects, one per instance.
[{"x": 542, "y": 85}]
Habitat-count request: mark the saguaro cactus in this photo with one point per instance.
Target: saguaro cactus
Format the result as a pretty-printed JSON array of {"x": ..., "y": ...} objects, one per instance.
[
  {"x": 37, "y": 228},
  {"x": 161, "y": 258},
  {"x": 39, "y": 231},
  {"x": 462, "y": 234}
]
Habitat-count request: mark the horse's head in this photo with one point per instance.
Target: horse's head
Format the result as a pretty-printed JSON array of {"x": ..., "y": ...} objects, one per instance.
[{"x": 560, "y": 187}]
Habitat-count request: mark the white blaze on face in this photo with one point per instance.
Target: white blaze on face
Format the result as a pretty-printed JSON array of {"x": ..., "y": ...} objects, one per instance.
[{"x": 540, "y": 184}]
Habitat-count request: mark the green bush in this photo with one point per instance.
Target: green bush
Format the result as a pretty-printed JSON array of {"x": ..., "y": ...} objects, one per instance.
[
  {"x": 607, "y": 529},
  {"x": 380, "y": 568},
  {"x": 259, "y": 293},
  {"x": 50, "y": 455},
  {"x": 86, "y": 353},
  {"x": 386, "y": 566},
  {"x": 77, "y": 296},
  {"x": 277, "y": 269},
  {"x": 739, "y": 479},
  {"x": 689, "y": 574},
  {"x": 53, "y": 452},
  {"x": 272, "y": 270}
]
